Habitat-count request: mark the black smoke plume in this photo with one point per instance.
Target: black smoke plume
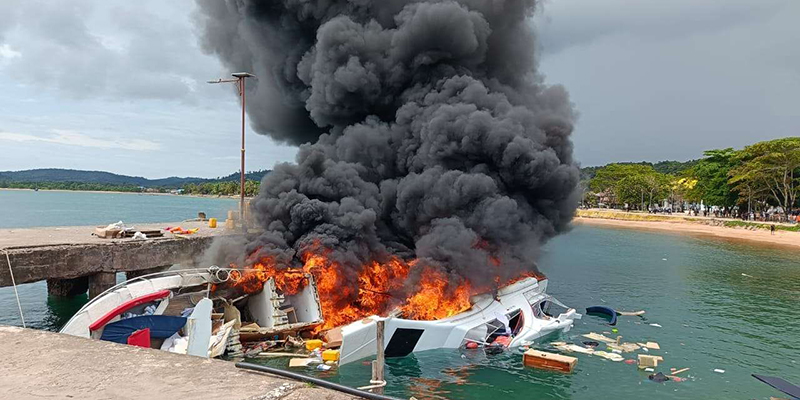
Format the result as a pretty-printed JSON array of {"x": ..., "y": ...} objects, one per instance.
[{"x": 425, "y": 130}]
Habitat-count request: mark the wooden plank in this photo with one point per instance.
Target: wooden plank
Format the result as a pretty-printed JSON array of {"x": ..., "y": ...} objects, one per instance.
[
  {"x": 630, "y": 313},
  {"x": 300, "y": 362},
  {"x": 611, "y": 356},
  {"x": 267, "y": 354},
  {"x": 550, "y": 361},
  {"x": 599, "y": 338},
  {"x": 649, "y": 361},
  {"x": 680, "y": 371},
  {"x": 333, "y": 338}
]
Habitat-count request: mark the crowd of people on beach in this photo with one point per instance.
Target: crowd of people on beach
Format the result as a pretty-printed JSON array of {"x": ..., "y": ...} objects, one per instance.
[{"x": 772, "y": 214}]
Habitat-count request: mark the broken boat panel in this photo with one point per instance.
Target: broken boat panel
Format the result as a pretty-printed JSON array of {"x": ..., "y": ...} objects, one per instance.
[{"x": 272, "y": 310}]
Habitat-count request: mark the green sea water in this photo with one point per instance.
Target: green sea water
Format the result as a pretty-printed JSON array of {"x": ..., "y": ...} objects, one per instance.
[
  {"x": 721, "y": 305},
  {"x": 711, "y": 317}
]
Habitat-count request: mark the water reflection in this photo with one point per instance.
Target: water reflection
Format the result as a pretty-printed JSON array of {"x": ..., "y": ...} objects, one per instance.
[{"x": 60, "y": 310}]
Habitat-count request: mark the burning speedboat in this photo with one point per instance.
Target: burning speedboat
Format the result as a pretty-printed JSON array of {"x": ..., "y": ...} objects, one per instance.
[
  {"x": 196, "y": 312},
  {"x": 517, "y": 313}
]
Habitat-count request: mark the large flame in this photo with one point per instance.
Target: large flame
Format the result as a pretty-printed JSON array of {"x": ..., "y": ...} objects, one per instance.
[
  {"x": 380, "y": 289},
  {"x": 436, "y": 300}
]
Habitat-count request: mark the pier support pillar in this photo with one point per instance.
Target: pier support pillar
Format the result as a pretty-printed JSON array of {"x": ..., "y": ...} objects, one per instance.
[
  {"x": 135, "y": 274},
  {"x": 67, "y": 287},
  {"x": 100, "y": 282}
]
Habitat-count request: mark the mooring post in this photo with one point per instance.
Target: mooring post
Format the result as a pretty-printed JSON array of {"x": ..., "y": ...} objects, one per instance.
[
  {"x": 100, "y": 282},
  {"x": 67, "y": 287},
  {"x": 379, "y": 363}
]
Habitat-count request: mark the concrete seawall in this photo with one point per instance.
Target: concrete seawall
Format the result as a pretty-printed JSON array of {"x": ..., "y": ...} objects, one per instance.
[
  {"x": 39, "y": 364},
  {"x": 72, "y": 260}
]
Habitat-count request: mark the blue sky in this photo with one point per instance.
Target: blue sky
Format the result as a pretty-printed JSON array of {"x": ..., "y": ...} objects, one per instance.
[{"x": 120, "y": 86}]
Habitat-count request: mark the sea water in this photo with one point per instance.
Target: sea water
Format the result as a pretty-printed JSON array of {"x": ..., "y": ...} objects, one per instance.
[
  {"x": 720, "y": 305},
  {"x": 717, "y": 304},
  {"x": 26, "y": 208}
]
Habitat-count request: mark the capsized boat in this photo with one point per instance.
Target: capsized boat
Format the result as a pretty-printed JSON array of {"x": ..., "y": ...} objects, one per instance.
[{"x": 520, "y": 313}]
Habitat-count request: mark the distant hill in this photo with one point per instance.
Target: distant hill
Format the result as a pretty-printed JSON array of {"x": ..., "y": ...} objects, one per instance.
[
  {"x": 108, "y": 178},
  {"x": 664, "y": 167}
]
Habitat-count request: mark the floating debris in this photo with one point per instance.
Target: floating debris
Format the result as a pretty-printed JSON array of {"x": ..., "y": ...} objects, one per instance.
[
  {"x": 658, "y": 377},
  {"x": 550, "y": 361}
]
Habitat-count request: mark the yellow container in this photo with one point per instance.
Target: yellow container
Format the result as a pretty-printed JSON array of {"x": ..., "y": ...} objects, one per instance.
[
  {"x": 212, "y": 223},
  {"x": 313, "y": 344},
  {"x": 330, "y": 355}
]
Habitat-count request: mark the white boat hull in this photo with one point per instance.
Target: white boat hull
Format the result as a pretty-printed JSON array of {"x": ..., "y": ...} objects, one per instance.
[{"x": 403, "y": 336}]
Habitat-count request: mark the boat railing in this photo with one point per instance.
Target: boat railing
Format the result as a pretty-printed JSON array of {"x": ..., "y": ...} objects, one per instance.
[{"x": 190, "y": 272}]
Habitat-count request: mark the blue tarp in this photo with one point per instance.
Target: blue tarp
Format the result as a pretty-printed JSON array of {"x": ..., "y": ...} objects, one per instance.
[
  {"x": 780, "y": 384},
  {"x": 161, "y": 327}
]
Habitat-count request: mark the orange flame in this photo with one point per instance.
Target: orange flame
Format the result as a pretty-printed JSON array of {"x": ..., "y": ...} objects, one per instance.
[
  {"x": 378, "y": 290},
  {"x": 435, "y": 301}
]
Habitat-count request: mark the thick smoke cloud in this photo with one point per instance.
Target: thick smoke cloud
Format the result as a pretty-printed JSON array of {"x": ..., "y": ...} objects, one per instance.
[{"x": 426, "y": 130}]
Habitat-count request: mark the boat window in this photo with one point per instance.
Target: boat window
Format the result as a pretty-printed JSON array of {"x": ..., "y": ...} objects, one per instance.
[
  {"x": 540, "y": 309},
  {"x": 477, "y": 335},
  {"x": 516, "y": 321},
  {"x": 545, "y": 306},
  {"x": 495, "y": 329},
  {"x": 531, "y": 296}
]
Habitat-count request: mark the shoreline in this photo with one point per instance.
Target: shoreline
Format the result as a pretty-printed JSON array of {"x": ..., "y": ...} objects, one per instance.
[
  {"x": 204, "y": 196},
  {"x": 782, "y": 239}
]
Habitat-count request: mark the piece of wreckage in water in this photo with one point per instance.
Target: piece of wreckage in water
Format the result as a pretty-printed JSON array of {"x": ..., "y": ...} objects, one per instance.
[
  {"x": 175, "y": 309},
  {"x": 515, "y": 315},
  {"x": 518, "y": 313}
]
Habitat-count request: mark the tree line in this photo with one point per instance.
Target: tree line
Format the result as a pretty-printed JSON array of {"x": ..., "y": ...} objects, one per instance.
[
  {"x": 222, "y": 188},
  {"x": 216, "y": 188},
  {"x": 100, "y": 187},
  {"x": 761, "y": 177}
]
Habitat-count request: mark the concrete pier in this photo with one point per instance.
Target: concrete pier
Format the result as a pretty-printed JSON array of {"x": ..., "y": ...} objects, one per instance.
[
  {"x": 67, "y": 287},
  {"x": 135, "y": 274},
  {"x": 72, "y": 260},
  {"x": 39, "y": 365}
]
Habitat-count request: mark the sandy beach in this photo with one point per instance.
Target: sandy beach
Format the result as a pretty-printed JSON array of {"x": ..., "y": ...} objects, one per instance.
[{"x": 678, "y": 225}]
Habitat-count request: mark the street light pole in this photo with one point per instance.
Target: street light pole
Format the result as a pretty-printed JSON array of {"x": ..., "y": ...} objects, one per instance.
[{"x": 239, "y": 79}]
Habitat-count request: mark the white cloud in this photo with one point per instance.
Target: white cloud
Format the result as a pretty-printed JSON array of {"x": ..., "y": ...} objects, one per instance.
[
  {"x": 73, "y": 138},
  {"x": 7, "y": 52},
  {"x": 115, "y": 50}
]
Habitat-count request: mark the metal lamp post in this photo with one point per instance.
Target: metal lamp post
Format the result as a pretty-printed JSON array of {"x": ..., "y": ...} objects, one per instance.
[{"x": 239, "y": 78}]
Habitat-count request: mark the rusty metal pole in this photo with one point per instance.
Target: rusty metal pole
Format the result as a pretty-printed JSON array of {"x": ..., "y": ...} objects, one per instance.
[
  {"x": 379, "y": 364},
  {"x": 241, "y": 203},
  {"x": 239, "y": 78}
]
